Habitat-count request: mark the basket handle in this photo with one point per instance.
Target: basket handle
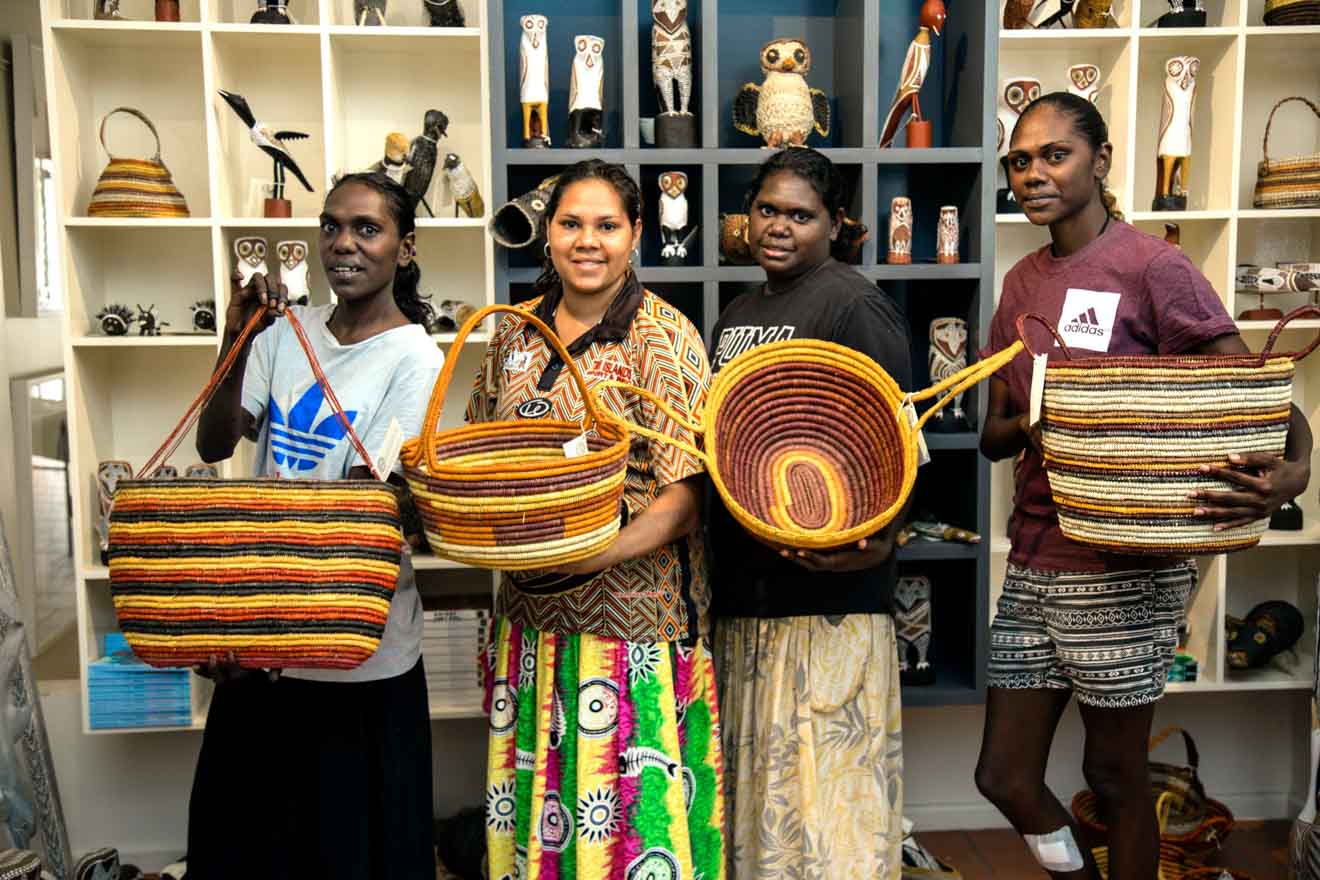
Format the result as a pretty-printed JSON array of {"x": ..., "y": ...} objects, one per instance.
[
  {"x": 1045, "y": 322},
  {"x": 132, "y": 112},
  {"x": 431, "y": 425},
  {"x": 1265, "y": 142},
  {"x": 231, "y": 357},
  {"x": 964, "y": 379},
  {"x": 1193, "y": 756},
  {"x": 665, "y": 408},
  {"x": 1300, "y": 312}
]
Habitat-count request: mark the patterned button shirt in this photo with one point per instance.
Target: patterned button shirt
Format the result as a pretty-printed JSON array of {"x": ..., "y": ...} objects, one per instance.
[{"x": 644, "y": 341}]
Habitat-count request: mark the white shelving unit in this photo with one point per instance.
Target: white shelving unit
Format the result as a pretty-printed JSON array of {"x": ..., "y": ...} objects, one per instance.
[
  {"x": 1246, "y": 68},
  {"x": 347, "y": 87}
]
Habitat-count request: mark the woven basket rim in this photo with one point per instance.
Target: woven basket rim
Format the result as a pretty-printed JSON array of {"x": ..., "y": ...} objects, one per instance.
[{"x": 606, "y": 425}]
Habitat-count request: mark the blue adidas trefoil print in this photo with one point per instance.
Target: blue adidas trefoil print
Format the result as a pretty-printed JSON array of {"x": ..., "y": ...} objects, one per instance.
[{"x": 294, "y": 442}]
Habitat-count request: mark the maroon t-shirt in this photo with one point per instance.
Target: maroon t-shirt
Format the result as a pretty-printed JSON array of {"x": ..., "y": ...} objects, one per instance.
[{"x": 1124, "y": 293}]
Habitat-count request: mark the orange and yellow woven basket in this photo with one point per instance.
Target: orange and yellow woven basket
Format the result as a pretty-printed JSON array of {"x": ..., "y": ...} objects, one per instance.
[
  {"x": 1291, "y": 181},
  {"x": 506, "y": 495},
  {"x": 280, "y": 573},
  {"x": 808, "y": 442},
  {"x": 135, "y": 187}
]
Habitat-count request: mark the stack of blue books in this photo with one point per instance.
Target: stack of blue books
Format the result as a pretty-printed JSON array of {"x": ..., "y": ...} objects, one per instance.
[{"x": 125, "y": 692}]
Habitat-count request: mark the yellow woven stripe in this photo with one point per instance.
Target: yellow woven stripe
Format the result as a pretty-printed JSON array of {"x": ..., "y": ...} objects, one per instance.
[
  {"x": 247, "y": 640},
  {"x": 220, "y": 493},
  {"x": 1271, "y": 416},
  {"x": 283, "y": 601},
  {"x": 219, "y": 531},
  {"x": 351, "y": 564},
  {"x": 779, "y": 512},
  {"x": 1128, "y": 510},
  {"x": 135, "y": 186}
]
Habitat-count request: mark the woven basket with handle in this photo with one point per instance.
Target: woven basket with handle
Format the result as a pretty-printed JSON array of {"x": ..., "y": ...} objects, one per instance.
[
  {"x": 1290, "y": 181},
  {"x": 283, "y": 573},
  {"x": 1125, "y": 439},
  {"x": 135, "y": 187},
  {"x": 808, "y": 442},
  {"x": 507, "y": 495}
]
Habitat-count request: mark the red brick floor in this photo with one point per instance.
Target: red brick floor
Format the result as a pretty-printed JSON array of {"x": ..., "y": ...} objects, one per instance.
[{"x": 1256, "y": 848}]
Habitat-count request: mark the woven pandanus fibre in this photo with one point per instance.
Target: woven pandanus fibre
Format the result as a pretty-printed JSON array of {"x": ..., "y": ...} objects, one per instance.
[
  {"x": 1124, "y": 440},
  {"x": 282, "y": 573}
]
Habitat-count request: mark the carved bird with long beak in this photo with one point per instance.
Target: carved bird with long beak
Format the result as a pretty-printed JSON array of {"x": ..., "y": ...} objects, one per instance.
[
  {"x": 915, "y": 66},
  {"x": 270, "y": 142}
]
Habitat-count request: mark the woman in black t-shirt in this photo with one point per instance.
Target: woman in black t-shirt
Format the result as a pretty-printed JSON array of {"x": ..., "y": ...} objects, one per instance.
[{"x": 806, "y": 648}]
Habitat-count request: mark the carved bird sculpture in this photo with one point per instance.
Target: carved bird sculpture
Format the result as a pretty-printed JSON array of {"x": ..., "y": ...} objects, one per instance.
[
  {"x": 270, "y": 142},
  {"x": 915, "y": 66}
]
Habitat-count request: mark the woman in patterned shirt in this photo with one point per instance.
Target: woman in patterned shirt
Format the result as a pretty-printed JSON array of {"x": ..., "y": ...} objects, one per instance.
[{"x": 604, "y": 743}]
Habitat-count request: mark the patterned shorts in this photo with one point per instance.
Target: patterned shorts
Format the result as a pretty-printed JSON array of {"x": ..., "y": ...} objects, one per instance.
[{"x": 1108, "y": 636}]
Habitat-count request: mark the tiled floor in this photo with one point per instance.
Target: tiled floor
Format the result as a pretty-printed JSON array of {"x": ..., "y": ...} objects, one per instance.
[{"x": 1256, "y": 848}]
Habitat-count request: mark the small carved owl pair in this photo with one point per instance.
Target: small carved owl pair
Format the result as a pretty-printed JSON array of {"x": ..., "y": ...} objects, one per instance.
[{"x": 250, "y": 251}]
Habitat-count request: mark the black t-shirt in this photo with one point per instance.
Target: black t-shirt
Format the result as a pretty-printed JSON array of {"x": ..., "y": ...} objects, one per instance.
[{"x": 832, "y": 302}]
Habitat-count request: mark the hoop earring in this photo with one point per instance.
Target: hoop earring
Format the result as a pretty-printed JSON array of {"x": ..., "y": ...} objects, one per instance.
[{"x": 545, "y": 248}]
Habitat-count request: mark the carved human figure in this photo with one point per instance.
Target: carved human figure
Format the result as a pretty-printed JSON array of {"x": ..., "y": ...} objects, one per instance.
[
  {"x": 671, "y": 54},
  {"x": 673, "y": 215},
  {"x": 900, "y": 230},
  {"x": 534, "y": 80},
  {"x": 946, "y": 235},
  {"x": 423, "y": 156},
  {"x": 586, "y": 95},
  {"x": 1084, "y": 81},
  {"x": 948, "y": 355},
  {"x": 1174, "y": 155}
]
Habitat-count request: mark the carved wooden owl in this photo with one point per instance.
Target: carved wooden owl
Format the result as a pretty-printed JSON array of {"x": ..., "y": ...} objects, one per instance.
[
  {"x": 587, "y": 86},
  {"x": 291, "y": 253},
  {"x": 1176, "y": 118},
  {"x": 673, "y": 183},
  {"x": 948, "y": 337},
  {"x": 783, "y": 109},
  {"x": 251, "y": 253},
  {"x": 1084, "y": 81},
  {"x": 1014, "y": 96}
]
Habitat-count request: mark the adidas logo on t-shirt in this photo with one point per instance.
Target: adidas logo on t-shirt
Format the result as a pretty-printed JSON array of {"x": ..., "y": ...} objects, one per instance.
[{"x": 1093, "y": 313}]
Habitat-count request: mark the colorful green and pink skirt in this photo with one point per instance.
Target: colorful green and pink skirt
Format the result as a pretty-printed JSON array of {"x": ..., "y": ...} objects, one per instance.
[{"x": 604, "y": 759}]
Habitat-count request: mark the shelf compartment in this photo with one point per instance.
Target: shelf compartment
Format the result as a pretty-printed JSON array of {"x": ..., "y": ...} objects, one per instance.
[
  {"x": 1276, "y": 69},
  {"x": 930, "y": 188},
  {"x": 403, "y": 18},
  {"x": 648, "y": 98},
  {"x": 1266, "y": 239},
  {"x": 651, "y": 243},
  {"x": 305, "y": 13},
  {"x": 1206, "y": 243}
]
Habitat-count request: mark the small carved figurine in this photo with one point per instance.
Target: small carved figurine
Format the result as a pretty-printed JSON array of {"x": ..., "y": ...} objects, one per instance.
[
  {"x": 203, "y": 315},
  {"x": 1174, "y": 154},
  {"x": 671, "y": 68},
  {"x": 423, "y": 156},
  {"x": 946, "y": 238},
  {"x": 734, "y": 247},
  {"x": 912, "y": 622},
  {"x": 271, "y": 12},
  {"x": 369, "y": 12},
  {"x": 1093, "y": 13},
  {"x": 251, "y": 253},
  {"x": 948, "y": 355},
  {"x": 783, "y": 109},
  {"x": 108, "y": 475},
  {"x": 915, "y": 65},
  {"x": 149, "y": 324},
  {"x": 293, "y": 270},
  {"x": 1014, "y": 96},
  {"x": 518, "y": 222},
  {"x": 673, "y": 216},
  {"x": 201, "y": 471},
  {"x": 900, "y": 230},
  {"x": 586, "y": 96},
  {"x": 1084, "y": 81},
  {"x": 272, "y": 144},
  {"x": 445, "y": 13},
  {"x": 115, "y": 319},
  {"x": 463, "y": 187},
  {"x": 107, "y": 10},
  {"x": 450, "y": 315},
  {"x": 394, "y": 164},
  {"x": 534, "y": 80}
]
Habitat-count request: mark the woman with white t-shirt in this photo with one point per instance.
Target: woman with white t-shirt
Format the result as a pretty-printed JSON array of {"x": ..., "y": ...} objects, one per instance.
[{"x": 325, "y": 773}]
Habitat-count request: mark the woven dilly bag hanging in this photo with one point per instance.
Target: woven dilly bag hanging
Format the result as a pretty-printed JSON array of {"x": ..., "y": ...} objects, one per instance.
[
  {"x": 510, "y": 495},
  {"x": 1125, "y": 438},
  {"x": 1289, "y": 182},
  {"x": 283, "y": 573},
  {"x": 809, "y": 443},
  {"x": 1287, "y": 13},
  {"x": 135, "y": 187}
]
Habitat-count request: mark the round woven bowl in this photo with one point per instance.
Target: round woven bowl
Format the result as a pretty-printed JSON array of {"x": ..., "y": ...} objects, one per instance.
[
  {"x": 808, "y": 442},
  {"x": 505, "y": 495},
  {"x": 1285, "y": 13}
]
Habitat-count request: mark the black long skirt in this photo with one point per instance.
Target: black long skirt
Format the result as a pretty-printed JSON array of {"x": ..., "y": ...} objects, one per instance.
[{"x": 305, "y": 779}]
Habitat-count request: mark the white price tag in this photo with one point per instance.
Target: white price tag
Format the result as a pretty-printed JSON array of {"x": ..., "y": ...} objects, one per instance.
[
  {"x": 1037, "y": 387},
  {"x": 388, "y": 456},
  {"x": 577, "y": 447},
  {"x": 923, "y": 453}
]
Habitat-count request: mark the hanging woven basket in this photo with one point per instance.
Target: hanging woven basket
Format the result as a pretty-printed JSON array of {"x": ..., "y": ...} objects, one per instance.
[
  {"x": 808, "y": 442},
  {"x": 1288, "y": 181},
  {"x": 506, "y": 495},
  {"x": 1125, "y": 438}
]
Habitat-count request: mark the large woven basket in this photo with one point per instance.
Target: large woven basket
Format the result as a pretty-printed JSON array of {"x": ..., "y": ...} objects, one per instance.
[
  {"x": 282, "y": 573},
  {"x": 807, "y": 441},
  {"x": 505, "y": 495},
  {"x": 1292, "y": 12},
  {"x": 1125, "y": 438},
  {"x": 1289, "y": 182},
  {"x": 1177, "y": 861}
]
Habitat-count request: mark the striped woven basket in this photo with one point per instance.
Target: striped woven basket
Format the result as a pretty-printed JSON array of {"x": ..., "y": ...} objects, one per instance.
[
  {"x": 1176, "y": 860},
  {"x": 282, "y": 573},
  {"x": 808, "y": 442},
  {"x": 1125, "y": 438},
  {"x": 135, "y": 187},
  {"x": 1291, "y": 182},
  {"x": 506, "y": 495},
  {"x": 1286, "y": 13}
]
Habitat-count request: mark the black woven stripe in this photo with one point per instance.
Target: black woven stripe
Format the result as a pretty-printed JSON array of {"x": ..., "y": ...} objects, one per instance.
[
  {"x": 1136, "y": 475},
  {"x": 175, "y": 551},
  {"x": 249, "y": 627},
  {"x": 1252, "y": 379},
  {"x": 1112, "y": 519},
  {"x": 195, "y": 589},
  {"x": 226, "y": 514},
  {"x": 1180, "y": 431}
]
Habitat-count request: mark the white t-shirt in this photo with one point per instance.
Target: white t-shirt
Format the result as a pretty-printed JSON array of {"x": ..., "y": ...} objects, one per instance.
[{"x": 388, "y": 376}]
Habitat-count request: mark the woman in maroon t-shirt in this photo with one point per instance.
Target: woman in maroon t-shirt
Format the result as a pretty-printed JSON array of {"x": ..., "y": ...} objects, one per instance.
[{"x": 1071, "y": 620}]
